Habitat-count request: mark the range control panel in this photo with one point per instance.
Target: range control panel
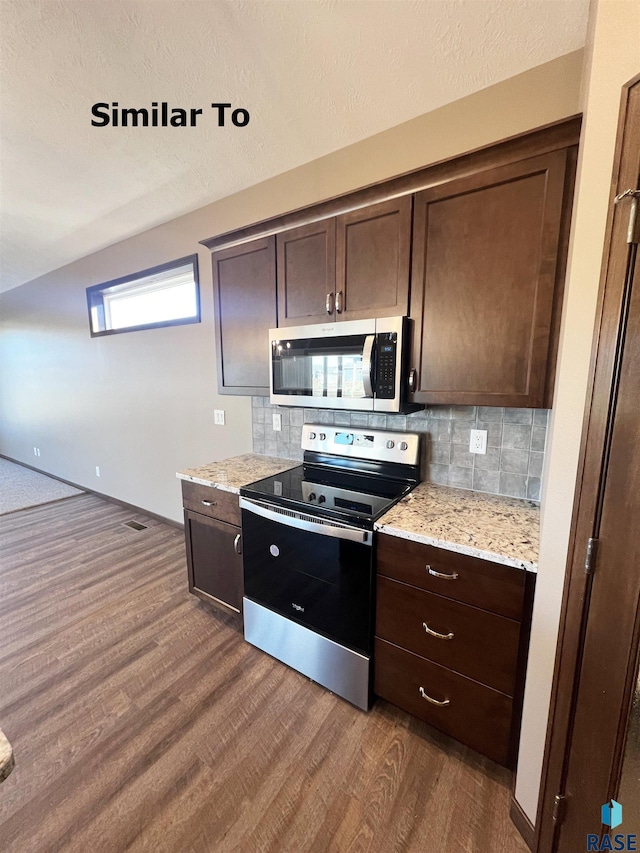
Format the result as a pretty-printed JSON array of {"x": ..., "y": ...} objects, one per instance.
[{"x": 362, "y": 443}]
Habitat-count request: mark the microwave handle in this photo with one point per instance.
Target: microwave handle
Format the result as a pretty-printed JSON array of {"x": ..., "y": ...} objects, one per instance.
[{"x": 367, "y": 365}]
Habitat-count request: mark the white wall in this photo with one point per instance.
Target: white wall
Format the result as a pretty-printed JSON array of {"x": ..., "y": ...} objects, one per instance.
[
  {"x": 140, "y": 405},
  {"x": 613, "y": 58}
]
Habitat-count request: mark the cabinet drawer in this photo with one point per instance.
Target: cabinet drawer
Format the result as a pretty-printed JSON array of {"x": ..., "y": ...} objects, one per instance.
[
  {"x": 474, "y": 642},
  {"x": 481, "y": 583},
  {"x": 212, "y": 502},
  {"x": 475, "y": 715}
]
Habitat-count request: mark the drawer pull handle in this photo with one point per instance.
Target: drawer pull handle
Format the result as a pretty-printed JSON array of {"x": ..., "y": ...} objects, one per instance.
[
  {"x": 452, "y": 577},
  {"x": 439, "y": 702},
  {"x": 208, "y": 503},
  {"x": 433, "y": 633},
  {"x": 236, "y": 545}
]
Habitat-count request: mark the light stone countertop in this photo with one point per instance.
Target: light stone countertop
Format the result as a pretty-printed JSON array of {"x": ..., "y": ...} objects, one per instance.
[
  {"x": 6, "y": 757},
  {"x": 491, "y": 527},
  {"x": 231, "y": 474}
]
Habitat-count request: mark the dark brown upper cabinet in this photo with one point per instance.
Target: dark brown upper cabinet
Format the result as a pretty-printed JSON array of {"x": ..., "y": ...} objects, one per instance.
[
  {"x": 306, "y": 273},
  {"x": 473, "y": 248},
  {"x": 244, "y": 281},
  {"x": 373, "y": 249},
  {"x": 348, "y": 267},
  {"x": 486, "y": 277}
]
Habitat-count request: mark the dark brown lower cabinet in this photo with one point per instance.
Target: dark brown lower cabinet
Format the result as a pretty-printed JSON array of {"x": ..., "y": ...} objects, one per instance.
[
  {"x": 214, "y": 560},
  {"x": 452, "y": 635},
  {"x": 214, "y": 546}
]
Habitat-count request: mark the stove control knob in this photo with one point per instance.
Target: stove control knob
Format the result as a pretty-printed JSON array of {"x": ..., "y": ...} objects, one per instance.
[
  {"x": 322, "y": 436},
  {"x": 312, "y": 496},
  {"x": 321, "y": 499},
  {"x": 403, "y": 445},
  {"x": 391, "y": 443},
  {"x": 312, "y": 435}
]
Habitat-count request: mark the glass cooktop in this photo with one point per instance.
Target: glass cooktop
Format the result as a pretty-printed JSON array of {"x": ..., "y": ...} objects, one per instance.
[{"x": 329, "y": 492}]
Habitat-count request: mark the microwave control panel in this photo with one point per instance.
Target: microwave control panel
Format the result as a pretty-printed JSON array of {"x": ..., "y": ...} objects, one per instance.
[{"x": 386, "y": 357}]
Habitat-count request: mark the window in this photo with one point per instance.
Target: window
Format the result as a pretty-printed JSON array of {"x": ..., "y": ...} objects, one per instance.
[{"x": 167, "y": 295}]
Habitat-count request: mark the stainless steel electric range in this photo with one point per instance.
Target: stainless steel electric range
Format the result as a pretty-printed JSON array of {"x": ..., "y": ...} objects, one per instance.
[{"x": 308, "y": 552}]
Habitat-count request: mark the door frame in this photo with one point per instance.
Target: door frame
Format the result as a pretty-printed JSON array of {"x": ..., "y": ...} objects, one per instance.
[{"x": 597, "y": 423}]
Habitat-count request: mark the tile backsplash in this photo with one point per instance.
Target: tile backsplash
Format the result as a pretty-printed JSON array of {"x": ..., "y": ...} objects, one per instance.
[{"x": 512, "y": 465}]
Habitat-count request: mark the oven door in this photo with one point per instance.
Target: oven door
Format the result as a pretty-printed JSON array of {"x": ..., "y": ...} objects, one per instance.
[
  {"x": 314, "y": 572},
  {"x": 329, "y": 365}
]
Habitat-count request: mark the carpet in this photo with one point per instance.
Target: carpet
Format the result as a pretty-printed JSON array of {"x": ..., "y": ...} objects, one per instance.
[{"x": 21, "y": 487}]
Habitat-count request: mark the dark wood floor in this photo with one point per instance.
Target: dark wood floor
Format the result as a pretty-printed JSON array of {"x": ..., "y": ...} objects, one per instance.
[{"x": 142, "y": 721}]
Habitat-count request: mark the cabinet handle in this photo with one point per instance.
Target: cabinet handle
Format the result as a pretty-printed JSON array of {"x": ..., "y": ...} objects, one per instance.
[
  {"x": 367, "y": 365},
  {"x": 411, "y": 381},
  {"x": 236, "y": 544},
  {"x": 339, "y": 302},
  {"x": 439, "y": 702},
  {"x": 433, "y": 633},
  {"x": 208, "y": 503},
  {"x": 445, "y": 577},
  {"x": 329, "y": 303}
]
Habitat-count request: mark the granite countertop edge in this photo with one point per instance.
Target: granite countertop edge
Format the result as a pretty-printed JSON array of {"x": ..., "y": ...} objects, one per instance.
[
  {"x": 224, "y": 487},
  {"x": 495, "y": 528},
  {"x": 231, "y": 474},
  {"x": 493, "y": 524}
]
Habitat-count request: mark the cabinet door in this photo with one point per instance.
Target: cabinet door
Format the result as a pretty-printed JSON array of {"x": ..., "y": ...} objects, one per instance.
[
  {"x": 373, "y": 247},
  {"x": 306, "y": 273},
  {"x": 485, "y": 253},
  {"x": 213, "y": 560},
  {"x": 244, "y": 280}
]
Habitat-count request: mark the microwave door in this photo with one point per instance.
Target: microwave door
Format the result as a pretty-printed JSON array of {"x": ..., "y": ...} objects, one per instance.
[{"x": 323, "y": 370}]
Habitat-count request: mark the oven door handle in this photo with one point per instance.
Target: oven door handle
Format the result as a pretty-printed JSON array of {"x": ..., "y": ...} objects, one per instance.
[
  {"x": 367, "y": 365},
  {"x": 307, "y": 522}
]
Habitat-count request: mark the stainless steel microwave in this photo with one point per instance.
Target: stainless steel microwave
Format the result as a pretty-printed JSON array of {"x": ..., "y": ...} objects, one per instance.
[{"x": 354, "y": 364}]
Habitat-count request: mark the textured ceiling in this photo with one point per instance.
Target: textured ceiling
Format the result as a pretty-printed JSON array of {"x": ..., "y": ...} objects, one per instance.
[{"x": 316, "y": 75}]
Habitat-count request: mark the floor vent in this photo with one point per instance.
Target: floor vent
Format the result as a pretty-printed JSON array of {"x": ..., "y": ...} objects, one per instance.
[{"x": 135, "y": 525}]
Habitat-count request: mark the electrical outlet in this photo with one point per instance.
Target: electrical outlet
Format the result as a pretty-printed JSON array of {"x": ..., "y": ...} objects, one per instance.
[
  {"x": 218, "y": 417},
  {"x": 277, "y": 422},
  {"x": 36, "y": 451},
  {"x": 478, "y": 441},
  {"x": 97, "y": 470}
]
